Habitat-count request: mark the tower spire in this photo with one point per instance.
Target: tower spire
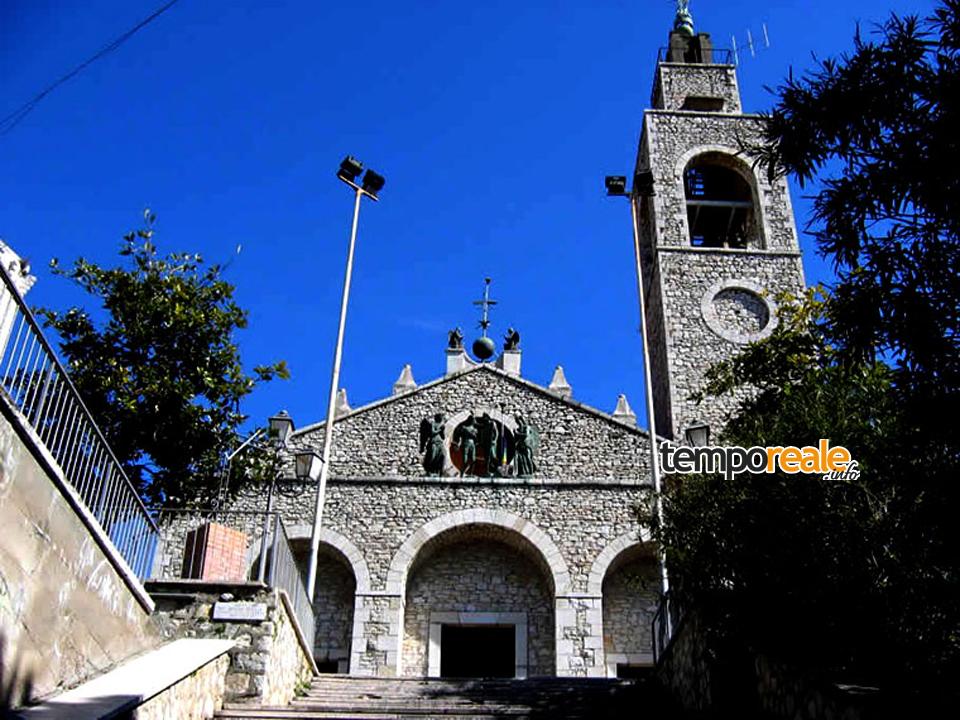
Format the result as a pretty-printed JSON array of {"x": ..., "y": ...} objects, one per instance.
[{"x": 683, "y": 23}]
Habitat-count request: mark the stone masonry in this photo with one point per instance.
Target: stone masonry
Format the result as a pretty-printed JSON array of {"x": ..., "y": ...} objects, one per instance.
[
  {"x": 412, "y": 541},
  {"x": 706, "y": 303}
]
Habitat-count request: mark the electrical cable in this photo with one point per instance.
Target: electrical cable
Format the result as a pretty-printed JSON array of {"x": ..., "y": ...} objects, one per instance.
[{"x": 10, "y": 121}]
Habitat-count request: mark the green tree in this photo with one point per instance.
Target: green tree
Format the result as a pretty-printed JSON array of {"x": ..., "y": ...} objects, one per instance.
[
  {"x": 162, "y": 374},
  {"x": 849, "y": 577},
  {"x": 878, "y": 130}
]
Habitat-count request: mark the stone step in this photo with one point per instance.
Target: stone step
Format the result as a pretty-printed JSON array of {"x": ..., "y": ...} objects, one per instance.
[
  {"x": 349, "y": 698},
  {"x": 287, "y": 714}
]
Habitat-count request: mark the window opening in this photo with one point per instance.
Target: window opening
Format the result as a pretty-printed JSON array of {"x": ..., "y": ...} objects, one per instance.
[{"x": 720, "y": 208}]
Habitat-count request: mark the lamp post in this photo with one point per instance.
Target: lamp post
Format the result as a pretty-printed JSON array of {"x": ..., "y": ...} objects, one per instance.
[
  {"x": 371, "y": 184},
  {"x": 306, "y": 467},
  {"x": 280, "y": 427},
  {"x": 227, "y": 465},
  {"x": 643, "y": 187}
]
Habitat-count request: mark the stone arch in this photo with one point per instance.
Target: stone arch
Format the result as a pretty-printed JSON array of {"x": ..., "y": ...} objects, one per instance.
[
  {"x": 729, "y": 158},
  {"x": 625, "y": 577},
  {"x": 611, "y": 552},
  {"x": 342, "y": 577},
  {"x": 343, "y": 546},
  {"x": 407, "y": 553}
]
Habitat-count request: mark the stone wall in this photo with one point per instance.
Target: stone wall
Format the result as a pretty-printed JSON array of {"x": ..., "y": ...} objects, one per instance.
[
  {"x": 576, "y": 443},
  {"x": 676, "y": 138},
  {"x": 675, "y": 82},
  {"x": 695, "y": 340},
  {"x": 479, "y": 575},
  {"x": 378, "y": 516},
  {"x": 268, "y": 663},
  {"x": 380, "y": 509},
  {"x": 288, "y": 668},
  {"x": 707, "y": 303},
  {"x": 196, "y": 697},
  {"x": 630, "y": 597},
  {"x": 333, "y": 609},
  {"x": 684, "y": 669},
  {"x": 70, "y": 608},
  {"x": 791, "y": 695}
]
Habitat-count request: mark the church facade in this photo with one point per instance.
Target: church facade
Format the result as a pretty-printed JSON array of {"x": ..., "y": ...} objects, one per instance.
[
  {"x": 545, "y": 565},
  {"x": 482, "y": 524}
]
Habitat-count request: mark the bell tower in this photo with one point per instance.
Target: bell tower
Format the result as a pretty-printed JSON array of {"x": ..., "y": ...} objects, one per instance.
[{"x": 718, "y": 239}]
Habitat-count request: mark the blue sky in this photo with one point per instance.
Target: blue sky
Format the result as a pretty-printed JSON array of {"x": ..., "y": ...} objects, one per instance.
[{"x": 493, "y": 122}]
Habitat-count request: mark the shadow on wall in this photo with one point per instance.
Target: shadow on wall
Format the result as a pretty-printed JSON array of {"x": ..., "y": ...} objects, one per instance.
[{"x": 16, "y": 684}]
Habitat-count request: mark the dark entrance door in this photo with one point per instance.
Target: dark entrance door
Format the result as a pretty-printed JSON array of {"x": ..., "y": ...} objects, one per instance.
[{"x": 477, "y": 651}]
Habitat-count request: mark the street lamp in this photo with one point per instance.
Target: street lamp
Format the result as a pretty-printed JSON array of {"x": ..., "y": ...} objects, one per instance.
[
  {"x": 643, "y": 186},
  {"x": 308, "y": 465},
  {"x": 281, "y": 425},
  {"x": 698, "y": 434},
  {"x": 371, "y": 184}
]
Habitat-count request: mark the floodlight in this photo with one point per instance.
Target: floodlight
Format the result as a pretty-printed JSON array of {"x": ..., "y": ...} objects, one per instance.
[
  {"x": 372, "y": 182},
  {"x": 350, "y": 168},
  {"x": 616, "y": 185}
]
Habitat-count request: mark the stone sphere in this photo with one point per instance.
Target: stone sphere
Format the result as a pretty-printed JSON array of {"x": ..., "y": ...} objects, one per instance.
[{"x": 484, "y": 348}]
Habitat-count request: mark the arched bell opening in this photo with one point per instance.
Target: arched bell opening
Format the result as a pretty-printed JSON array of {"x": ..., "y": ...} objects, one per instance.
[{"x": 721, "y": 202}]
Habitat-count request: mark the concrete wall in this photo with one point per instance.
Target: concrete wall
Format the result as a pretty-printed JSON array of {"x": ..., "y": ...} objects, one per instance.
[{"x": 69, "y": 608}]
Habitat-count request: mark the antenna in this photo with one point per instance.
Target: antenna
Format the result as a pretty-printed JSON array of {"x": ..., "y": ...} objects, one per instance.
[{"x": 753, "y": 46}]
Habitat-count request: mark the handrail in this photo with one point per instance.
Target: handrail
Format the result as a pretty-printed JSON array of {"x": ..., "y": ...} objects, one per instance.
[
  {"x": 718, "y": 56},
  {"x": 37, "y": 384},
  {"x": 285, "y": 574}
]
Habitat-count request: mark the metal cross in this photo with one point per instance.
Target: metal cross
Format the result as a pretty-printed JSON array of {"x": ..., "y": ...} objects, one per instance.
[{"x": 485, "y": 303}]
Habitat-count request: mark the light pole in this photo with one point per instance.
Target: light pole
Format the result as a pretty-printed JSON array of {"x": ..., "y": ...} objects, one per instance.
[
  {"x": 643, "y": 187},
  {"x": 371, "y": 184},
  {"x": 227, "y": 465}
]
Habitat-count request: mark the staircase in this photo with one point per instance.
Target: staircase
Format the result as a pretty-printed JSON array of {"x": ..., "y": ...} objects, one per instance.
[{"x": 347, "y": 698}]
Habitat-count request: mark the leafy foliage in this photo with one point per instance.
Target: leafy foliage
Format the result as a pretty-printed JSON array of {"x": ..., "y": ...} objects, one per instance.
[
  {"x": 858, "y": 577},
  {"x": 879, "y": 127},
  {"x": 162, "y": 375}
]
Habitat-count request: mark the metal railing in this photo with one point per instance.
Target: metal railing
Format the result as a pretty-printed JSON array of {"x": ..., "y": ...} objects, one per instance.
[
  {"x": 285, "y": 574},
  {"x": 664, "y": 632},
  {"x": 711, "y": 56},
  {"x": 36, "y": 383},
  {"x": 231, "y": 546}
]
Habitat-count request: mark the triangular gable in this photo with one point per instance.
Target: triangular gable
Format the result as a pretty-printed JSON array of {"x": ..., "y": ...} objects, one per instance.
[{"x": 577, "y": 442}]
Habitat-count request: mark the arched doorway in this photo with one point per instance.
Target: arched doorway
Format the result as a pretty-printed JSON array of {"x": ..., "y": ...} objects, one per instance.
[
  {"x": 340, "y": 571},
  {"x": 631, "y": 591},
  {"x": 478, "y": 602}
]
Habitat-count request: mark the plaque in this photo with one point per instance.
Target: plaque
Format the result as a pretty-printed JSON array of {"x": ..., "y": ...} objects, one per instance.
[{"x": 244, "y": 611}]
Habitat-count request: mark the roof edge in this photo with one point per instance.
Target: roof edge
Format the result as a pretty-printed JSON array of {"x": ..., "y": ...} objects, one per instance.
[{"x": 485, "y": 367}]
